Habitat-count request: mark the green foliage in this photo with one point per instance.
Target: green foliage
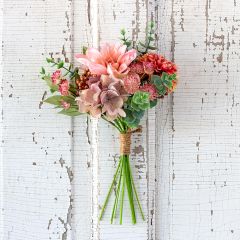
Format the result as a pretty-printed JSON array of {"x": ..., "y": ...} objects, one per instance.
[
  {"x": 60, "y": 65},
  {"x": 84, "y": 50},
  {"x": 42, "y": 71},
  {"x": 149, "y": 43},
  {"x": 57, "y": 100},
  {"x": 132, "y": 118},
  {"x": 125, "y": 39},
  {"x": 47, "y": 79},
  {"x": 72, "y": 112},
  {"x": 163, "y": 83},
  {"x": 135, "y": 108},
  {"x": 153, "y": 103},
  {"x": 140, "y": 101}
]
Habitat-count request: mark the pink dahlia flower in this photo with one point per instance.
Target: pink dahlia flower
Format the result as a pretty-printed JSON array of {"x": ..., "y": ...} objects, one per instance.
[
  {"x": 63, "y": 87},
  {"x": 112, "y": 59},
  {"x": 150, "y": 88},
  {"x": 131, "y": 82},
  {"x": 56, "y": 77}
]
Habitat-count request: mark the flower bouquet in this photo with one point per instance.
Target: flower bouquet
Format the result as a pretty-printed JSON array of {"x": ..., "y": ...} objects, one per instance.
[{"x": 117, "y": 83}]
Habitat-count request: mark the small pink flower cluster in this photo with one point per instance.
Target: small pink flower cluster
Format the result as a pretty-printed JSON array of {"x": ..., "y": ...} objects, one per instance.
[{"x": 63, "y": 84}]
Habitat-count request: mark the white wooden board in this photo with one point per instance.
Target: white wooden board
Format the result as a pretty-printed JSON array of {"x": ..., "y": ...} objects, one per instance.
[{"x": 55, "y": 171}]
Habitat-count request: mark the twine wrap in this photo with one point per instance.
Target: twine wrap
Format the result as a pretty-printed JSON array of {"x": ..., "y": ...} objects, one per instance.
[{"x": 125, "y": 141}]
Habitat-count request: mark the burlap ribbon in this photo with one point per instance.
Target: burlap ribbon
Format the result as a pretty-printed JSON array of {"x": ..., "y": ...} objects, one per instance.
[{"x": 125, "y": 141}]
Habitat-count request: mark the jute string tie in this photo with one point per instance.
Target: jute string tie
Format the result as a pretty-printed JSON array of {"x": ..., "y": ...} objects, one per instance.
[{"x": 125, "y": 141}]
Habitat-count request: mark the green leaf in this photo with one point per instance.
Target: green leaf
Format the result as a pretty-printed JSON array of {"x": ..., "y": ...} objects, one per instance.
[
  {"x": 158, "y": 82},
  {"x": 53, "y": 87},
  {"x": 50, "y": 60},
  {"x": 167, "y": 83},
  {"x": 150, "y": 38},
  {"x": 55, "y": 100},
  {"x": 43, "y": 70},
  {"x": 60, "y": 64},
  {"x": 144, "y": 106},
  {"x": 152, "y": 48},
  {"x": 153, "y": 103},
  {"x": 155, "y": 79},
  {"x": 162, "y": 90},
  {"x": 70, "y": 112},
  {"x": 138, "y": 114},
  {"x": 123, "y": 31},
  {"x": 142, "y": 44},
  {"x": 84, "y": 50}
]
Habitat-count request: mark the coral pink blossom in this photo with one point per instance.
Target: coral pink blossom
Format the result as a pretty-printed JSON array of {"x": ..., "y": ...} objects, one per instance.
[
  {"x": 132, "y": 82},
  {"x": 63, "y": 87},
  {"x": 65, "y": 105},
  {"x": 112, "y": 59},
  {"x": 56, "y": 77},
  {"x": 159, "y": 62},
  {"x": 150, "y": 88}
]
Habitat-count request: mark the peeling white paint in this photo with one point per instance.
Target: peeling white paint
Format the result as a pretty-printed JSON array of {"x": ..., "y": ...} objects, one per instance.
[{"x": 57, "y": 170}]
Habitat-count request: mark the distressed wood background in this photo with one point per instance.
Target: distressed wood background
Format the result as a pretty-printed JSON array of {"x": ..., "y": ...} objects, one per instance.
[{"x": 55, "y": 171}]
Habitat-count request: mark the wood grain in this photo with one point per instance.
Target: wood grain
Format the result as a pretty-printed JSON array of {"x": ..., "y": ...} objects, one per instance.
[{"x": 55, "y": 171}]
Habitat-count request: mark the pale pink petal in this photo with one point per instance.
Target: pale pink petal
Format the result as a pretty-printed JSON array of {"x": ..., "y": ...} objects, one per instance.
[
  {"x": 94, "y": 55},
  {"x": 123, "y": 68},
  {"x": 122, "y": 49},
  {"x": 128, "y": 57},
  {"x": 95, "y": 112},
  {"x": 97, "y": 68},
  {"x": 113, "y": 72},
  {"x": 121, "y": 112},
  {"x": 81, "y": 58}
]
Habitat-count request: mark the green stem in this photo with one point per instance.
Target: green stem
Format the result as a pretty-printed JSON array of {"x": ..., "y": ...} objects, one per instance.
[
  {"x": 135, "y": 192},
  {"x": 129, "y": 188},
  {"x": 122, "y": 190},
  {"x": 109, "y": 191},
  {"x": 117, "y": 195},
  {"x": 63, "y": 67}
]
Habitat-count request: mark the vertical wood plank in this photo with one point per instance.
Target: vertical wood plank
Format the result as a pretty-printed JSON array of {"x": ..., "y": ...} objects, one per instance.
[
  {"x": 205, "y": 192},
  {"x": 36, "y": 142},
  {"x": 1, "y": 155},
  {"x": 82, "y": 137}
]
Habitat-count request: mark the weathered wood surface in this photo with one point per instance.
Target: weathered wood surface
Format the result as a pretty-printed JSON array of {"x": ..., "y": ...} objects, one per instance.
[{"x": 56, "y": 170}]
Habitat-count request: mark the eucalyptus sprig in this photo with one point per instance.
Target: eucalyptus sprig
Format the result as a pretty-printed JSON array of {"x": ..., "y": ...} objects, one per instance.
[
  {"x": 125, "y": 40},
  {"x": 149, "y": 44}
]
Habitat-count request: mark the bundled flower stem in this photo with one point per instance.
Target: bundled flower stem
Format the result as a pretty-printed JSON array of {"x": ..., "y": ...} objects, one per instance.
[
  {"x": 119, "y": 84},
  {"x": 123, "y": 179}
]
